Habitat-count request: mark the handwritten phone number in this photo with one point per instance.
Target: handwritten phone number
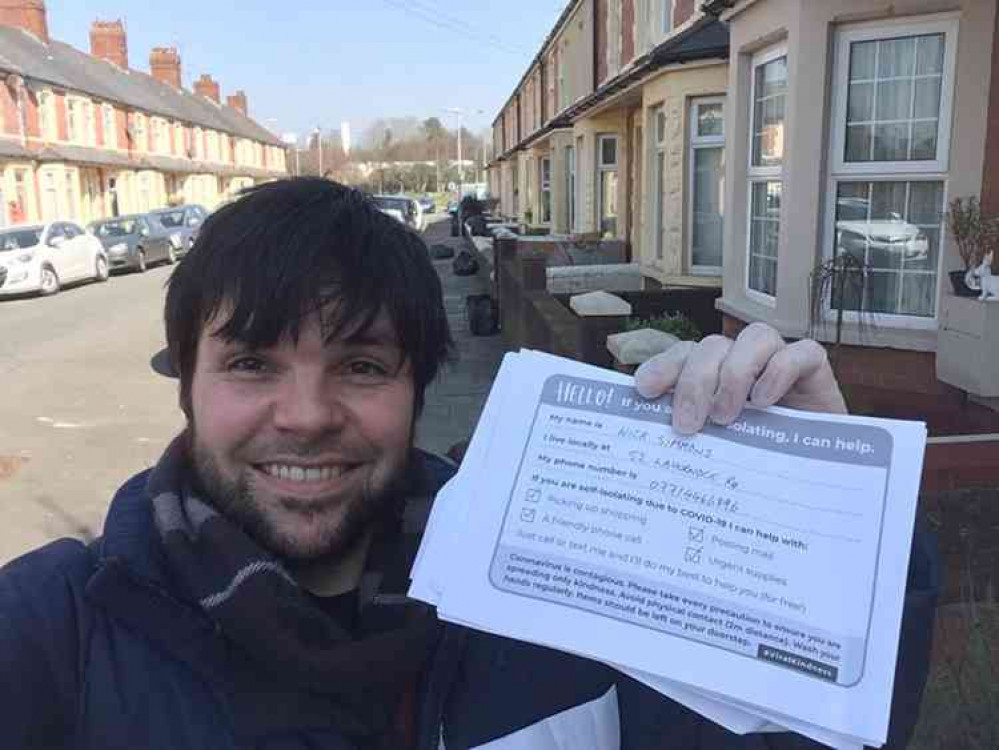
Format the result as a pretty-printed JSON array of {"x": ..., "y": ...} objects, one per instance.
[{"x": 706, "y": 499}]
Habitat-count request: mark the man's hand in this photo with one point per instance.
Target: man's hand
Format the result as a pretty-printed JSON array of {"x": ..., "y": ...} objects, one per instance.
[{"x": 714, "y": 378}]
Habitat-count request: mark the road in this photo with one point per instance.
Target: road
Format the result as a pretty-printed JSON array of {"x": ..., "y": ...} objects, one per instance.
[{"x": 81, "y": 410}]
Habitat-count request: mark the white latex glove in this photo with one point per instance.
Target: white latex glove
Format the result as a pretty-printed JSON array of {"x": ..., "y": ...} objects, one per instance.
[{"x": 715, "y": 377}]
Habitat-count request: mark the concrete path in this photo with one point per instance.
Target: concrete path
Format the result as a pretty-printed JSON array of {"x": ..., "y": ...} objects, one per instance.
[{"x": 455, "y": 400}]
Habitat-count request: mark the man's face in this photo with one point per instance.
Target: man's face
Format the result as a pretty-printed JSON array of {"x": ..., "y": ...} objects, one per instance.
[{"x": 302, "y": 444}]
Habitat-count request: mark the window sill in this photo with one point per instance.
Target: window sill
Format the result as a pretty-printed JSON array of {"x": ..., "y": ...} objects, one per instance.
[{"x": 875, "y": 335}]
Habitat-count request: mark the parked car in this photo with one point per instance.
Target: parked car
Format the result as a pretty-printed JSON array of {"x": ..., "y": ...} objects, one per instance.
[
  {"x": 135, "y": 242},
  {"x": 886, "y": 241},
  {"x": 43, "y": 258},
  {"x": 427, "y": 204},
  {"x": 402, "y": 207},
  {"x": 391, "y": 205},
  {"x": 183, "y": 223}
]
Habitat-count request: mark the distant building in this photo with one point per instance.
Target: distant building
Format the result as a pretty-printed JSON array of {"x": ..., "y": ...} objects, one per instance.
[{"x": 84, "y": 136}]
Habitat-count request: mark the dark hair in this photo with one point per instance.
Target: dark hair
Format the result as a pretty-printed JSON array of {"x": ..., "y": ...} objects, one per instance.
[{"x": 288, "y": 248}]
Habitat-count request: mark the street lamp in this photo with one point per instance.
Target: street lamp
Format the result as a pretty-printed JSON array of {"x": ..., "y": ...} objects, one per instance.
[
  {"x": 319, "y": 139},
  {"x": 460, "y": 113}
]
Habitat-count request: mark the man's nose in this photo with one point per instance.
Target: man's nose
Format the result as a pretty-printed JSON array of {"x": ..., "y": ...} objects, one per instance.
[{"x": 308, "y": 404}]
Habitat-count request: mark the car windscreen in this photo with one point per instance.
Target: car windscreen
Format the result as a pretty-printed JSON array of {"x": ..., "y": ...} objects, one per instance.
[
  {"x": 397, "y": 204},
  {"x": 120, "y": 228},
  {"x": 171, "y": 220},
  {"x": 20, "y": 239}
]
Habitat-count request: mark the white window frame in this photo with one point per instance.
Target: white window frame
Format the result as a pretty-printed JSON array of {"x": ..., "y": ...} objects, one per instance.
[
  {"x": 701, "y": 142},
  {"x": 666, "y": 15},
  {"x": 75, "y": 120},
  {"x": 755, "y": 174},
  {"x": 658, "y": 204},
  {"x": 925, "y": 171},
  {"x": 601, "y": 168},
  {"x": 544, "y": 186},
  {"x": 46, "y": 116},
  {"x": 570, "y": 188},
  {"x": 946, "y": 24},
  {"x": 109, "y": 123},
  {"x": 613, "y": 50},
  {"x": 141, "y": 139}
]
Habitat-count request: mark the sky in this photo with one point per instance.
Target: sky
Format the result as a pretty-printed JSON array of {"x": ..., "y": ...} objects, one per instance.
[{"x": 323, "y": 62}]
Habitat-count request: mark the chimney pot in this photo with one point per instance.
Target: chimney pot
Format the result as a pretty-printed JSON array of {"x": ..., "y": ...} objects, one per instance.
[
  {"x": 238, "y": 102},
  {"x": 208, "y": 87},
  {"x": 108, "y": 41},
  {"x": 26, "y": 14},
  {"x": 164, "y": 65}
]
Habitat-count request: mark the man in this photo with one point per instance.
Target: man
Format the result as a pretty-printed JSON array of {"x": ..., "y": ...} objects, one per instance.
[{"x": 247, "y": 592}]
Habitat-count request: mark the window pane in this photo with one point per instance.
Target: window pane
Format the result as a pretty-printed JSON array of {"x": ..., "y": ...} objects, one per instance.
[
  {"x": 899, "y": 243},
  {"x": 768, "y": 113},
  {"x": 608, "y": 152},
  {"x": 928, "y": 97},
  {"x": 906, "y": 98},
  {"x": 608, "y": 204},
  {"x": 894, "y": 100},
  {"x": 660, "y": 126},
  {"x": 930, "y": 54},
  {"x": 764, "y": 236},
  {"x": 896, "y": 57},
  {"x": 891, "y": 142},
  {"x": 710, "y": 120},
  {"x": 858, "y": 142},
  {"x": 660, "y": 183},
  {"x": 709, "y": 172},
  {"x": 861, "y": 103},
  {"x": 918, "y": 294},
  {"x": 862, "y": 60}
]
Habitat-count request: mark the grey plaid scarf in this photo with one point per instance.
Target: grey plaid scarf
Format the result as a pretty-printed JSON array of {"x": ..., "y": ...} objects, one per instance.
[{"x": 261, "y": 610}]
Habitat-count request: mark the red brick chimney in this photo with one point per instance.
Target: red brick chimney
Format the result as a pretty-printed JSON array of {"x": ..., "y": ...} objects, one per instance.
[
  {"x": 208, "y": 87},
  {"x": 238, "y": 101},
  {"x": 164, "y": 64},
  {"x": 25, "y": 14},
  {"x": 108, "y": 42}
]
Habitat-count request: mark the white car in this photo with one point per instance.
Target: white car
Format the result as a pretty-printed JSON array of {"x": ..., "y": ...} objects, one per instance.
[{"x": 43, "y": 258}]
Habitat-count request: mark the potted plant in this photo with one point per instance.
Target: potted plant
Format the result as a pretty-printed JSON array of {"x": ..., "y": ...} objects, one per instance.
[
  {"x": 843, "y": 280},
  {"x": 971, "y": 231}
]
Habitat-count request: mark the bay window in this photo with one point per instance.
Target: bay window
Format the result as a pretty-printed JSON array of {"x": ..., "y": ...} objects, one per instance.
[
  {"x": 707, "y": 177},
  {"x": 766, "y": 187},
  {"x": 891, "y": 134},
  {"x": 607, "y": 148}
]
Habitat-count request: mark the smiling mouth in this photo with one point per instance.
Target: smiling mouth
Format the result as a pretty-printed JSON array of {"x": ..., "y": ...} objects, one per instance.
[{"x": 306, "y": 478}]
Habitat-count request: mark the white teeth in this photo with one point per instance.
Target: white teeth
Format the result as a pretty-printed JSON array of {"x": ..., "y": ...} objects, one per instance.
[{"x": 300, "y": 474}]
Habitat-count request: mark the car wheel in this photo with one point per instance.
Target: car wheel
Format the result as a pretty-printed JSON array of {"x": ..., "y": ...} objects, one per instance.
[
  {"x": 101, "y": 271},
  {"x": 171, "y": 255},
  {"x": 141, "y": 265},
  {"x": 50, "y": 282}
]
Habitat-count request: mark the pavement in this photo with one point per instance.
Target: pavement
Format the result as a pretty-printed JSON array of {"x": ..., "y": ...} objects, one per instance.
[{"x": 81, "y": 411}]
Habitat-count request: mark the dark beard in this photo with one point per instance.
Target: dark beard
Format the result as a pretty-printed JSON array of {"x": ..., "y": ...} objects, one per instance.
[{"x": 235, "y": 501}]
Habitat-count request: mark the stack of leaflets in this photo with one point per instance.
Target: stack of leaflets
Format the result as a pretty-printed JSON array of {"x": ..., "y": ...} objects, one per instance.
[{"x": 754, "y": 573}]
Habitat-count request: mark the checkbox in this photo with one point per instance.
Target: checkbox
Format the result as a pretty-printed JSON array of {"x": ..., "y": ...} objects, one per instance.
[
  {"x": 533, "y": 496},
  {"x": 527, "y": 515},
  {"x": 693, "y": 555},
  {"x": 696, "y": 534}
]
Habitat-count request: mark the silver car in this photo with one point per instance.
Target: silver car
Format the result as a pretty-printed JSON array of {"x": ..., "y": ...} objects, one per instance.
[
  {"x": 133, "y": 243},
  {"x": 183, "y": 223}
]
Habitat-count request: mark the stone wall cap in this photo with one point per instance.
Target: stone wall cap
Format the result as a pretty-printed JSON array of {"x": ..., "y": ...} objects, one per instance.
[
  {"x": 636, "y": 347},
  {"x": 599, "y": 303}
]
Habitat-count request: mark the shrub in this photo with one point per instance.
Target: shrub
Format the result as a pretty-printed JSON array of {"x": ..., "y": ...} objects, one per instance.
[{"x": 677, "y": 324}]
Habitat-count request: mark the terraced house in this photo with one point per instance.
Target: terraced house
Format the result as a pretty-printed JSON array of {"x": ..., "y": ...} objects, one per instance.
[
  {"x": 742, "y": 144},
  {"x": 84, "y": 136}
]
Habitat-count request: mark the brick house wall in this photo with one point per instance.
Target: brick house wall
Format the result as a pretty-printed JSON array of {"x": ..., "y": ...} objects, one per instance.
[
  {"x": 8, "y": 111},
  {"x": 990, "y": 182},
  {"x": 31, "y": 115},
  {"x": 627, "y": 31},
  {"x": 899, "y": 384},
  {"x": 682, "y": 11},
  {"x": 121, "y": 123},
  {"x": 600, "y": 18},
  {"x": 98, "y": 124}
]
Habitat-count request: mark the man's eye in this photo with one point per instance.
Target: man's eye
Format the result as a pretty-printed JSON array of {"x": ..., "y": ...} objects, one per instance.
[
  {"x": 366, "y": 368},
  {"x": 246, "y": 365}
]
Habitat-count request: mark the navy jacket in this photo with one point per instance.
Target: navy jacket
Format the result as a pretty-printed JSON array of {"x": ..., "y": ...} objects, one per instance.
[{"x": 97, "y": 652}]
